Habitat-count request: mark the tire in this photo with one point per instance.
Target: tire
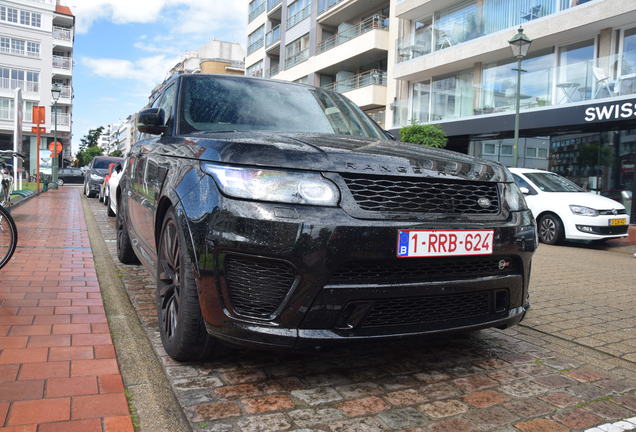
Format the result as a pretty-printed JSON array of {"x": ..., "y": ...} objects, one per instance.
[
  {"x": 109, "y": 210},
  {"x": 181, "y": 325},
  {"x": 60, "y": 182},
  {"x": 9, "y": 229},
  {"x": 125, "y": 251},
  {"x": 550, "y": 229},
  {"x": 88, "y": 192}
]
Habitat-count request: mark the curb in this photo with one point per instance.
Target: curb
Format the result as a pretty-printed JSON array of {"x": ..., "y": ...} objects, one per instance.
[{"x": 150, "y": 396}]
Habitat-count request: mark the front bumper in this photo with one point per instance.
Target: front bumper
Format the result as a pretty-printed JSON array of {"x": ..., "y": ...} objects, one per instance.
[
  {"x": 307, "y": 246},
  {"x": 597, "y": 227}
]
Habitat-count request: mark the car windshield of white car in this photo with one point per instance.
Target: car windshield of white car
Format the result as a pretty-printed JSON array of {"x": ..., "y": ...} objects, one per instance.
[{"x": 549, "y": 182}]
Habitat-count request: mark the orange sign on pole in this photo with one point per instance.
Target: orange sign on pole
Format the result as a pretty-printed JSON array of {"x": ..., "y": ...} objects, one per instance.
[
  {"x": 55, "y": 148},
  {"x": 39, "y": 117}
]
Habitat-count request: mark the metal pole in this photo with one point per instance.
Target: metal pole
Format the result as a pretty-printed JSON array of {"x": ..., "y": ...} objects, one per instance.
[
  {"x": 55, "y": 161},
  {"x": 515, "y": 151}
]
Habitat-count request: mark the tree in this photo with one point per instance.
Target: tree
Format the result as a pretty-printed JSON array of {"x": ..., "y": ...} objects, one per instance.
[
  {"x": 116, "y": 153},
  {"x": 89, "y": 147},
  {"x": 428, "y": 135}
]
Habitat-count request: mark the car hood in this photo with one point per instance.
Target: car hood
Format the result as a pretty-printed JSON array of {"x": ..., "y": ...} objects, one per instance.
[
  {"x": 334, "y": 153},
  {"x": 587, "y": 199},
  {"x": 99, "y": 172}
]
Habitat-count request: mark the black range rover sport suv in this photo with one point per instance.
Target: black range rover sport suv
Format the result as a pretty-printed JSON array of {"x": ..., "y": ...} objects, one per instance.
[{"x": 279, "y": 215}]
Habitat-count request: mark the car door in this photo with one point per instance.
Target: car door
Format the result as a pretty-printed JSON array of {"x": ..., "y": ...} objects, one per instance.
[{"x": 148, "y": 178}]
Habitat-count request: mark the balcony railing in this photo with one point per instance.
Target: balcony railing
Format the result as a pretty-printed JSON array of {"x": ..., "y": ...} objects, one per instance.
[
  {"x": 62, "y": 33},
  {"x": 20, "y": 52},
  {"x": 454, "y": 26},
  {"x": 62, "y": 62},
  {"x": 273, "y": 71},
  {"x": 297, "y": 58},
  {"x": 255, "y": 45},
  {"x": 298, "y": 17},
  {"x": 375, "y": 22},
  {"x": 271, "y": 4},
  {"x": 256, "y": 11},
  {"x": 65, "y": 92},
  {"x": 372, "y": 77},
  {"x": 272, "y": 36},
  {"x": 26, "y": 86},
  {"x": 63, "y": 119},
  {"x": 601, "y": 78},
  {"x": 324, "y": 5}
]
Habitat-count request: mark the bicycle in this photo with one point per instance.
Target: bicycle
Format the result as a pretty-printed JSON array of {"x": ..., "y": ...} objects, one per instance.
[{"x": 8, "y": 229}]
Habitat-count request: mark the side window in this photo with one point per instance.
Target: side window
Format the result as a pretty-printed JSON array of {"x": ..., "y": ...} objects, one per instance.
[
  {"x": 522, "y": 183},
  {"x": 166, "y": 101}
]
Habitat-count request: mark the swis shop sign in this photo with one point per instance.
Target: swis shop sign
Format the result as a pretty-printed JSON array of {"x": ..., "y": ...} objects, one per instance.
[{"x": 608, "y": 112}]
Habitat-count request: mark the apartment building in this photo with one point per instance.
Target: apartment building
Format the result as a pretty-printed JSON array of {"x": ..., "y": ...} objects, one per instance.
[
  {"x": 36, "y": 50},
  {"x": 340, "y": 45},
  {"x": 215, "y": 57},
  {"x": 453, "y": 66}
]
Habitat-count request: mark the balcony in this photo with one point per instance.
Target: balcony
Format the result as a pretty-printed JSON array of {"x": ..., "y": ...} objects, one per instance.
[
  {"x": 26, "y": 86},
  {"x": 62, "y": 62},
  {"x": 297, "y": 58},
  {"x": 256, "y": 10},
  {"x": 255, "y": 46},
  {"x": 271, "y": 4},
  {"x": 456, "y": 97},
  {"x": 62, "y": 33},
  {"x": 273, "y": 71},
  {"x": 298, "y": 17},
  {"x": 367, "y": 90},
  {"x": 335, "y": 12},
  {"x": 272, "y": 36},
  {"x": 65, "y": 92},
  {"x": 63, "y": 119},
  {"x": 375, "y": 22}
]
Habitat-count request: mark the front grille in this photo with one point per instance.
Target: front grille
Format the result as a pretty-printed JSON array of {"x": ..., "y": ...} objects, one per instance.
[
  {"x": 422, "y": 270},
  {"x": 422, "y": 195},
  {"x": 611, "y": 212},
  {"x": 429, "y": 310},
  {"x": 257, "y": 286}
]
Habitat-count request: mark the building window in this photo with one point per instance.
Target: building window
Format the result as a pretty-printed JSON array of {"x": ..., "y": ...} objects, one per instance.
[
  {"x": 28, "y": 110},
  {"x": 36, "y": 19},
  {"x": 298, "y": 11},
  {"x": 575, "y": 72},
  {"x": 5, "y": 44},
  {"x": 489, "y": 148},
  {"x": 33, "y": 49},
  {"x": 421, "y": 102},
  {"x": 28, "y": 81},
  {"x": 9, "y": 14},
  {"x": 12, "y": 15},
  {"x": 452, "y": 96},
  {"x": 17, "y": 46},
  {"x": 255, "y": 40},
  {"x": 506, "y": 150},
  {"x": 25, "y": 17},
  {"x": 256, "y": 7},
  {"x": 256, "y": 70},
  {"x": 297, "y": 51},
  {"x": 6, "y": 108}
]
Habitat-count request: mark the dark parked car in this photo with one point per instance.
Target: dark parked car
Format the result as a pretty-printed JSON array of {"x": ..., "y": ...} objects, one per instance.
[
  {"x": 279, "y": 215},
  {"x": 70, "y": 176},
  {"x": 95, "y": 173}
]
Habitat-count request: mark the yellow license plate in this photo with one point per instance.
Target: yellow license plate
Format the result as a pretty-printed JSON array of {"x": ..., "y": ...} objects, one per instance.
[{"x": 614, "y": 222}]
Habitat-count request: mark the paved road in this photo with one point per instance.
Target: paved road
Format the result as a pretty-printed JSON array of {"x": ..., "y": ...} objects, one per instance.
[{"x": 519, "y": 379}]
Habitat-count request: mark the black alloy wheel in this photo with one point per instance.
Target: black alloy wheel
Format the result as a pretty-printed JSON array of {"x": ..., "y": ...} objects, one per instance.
[
  {"x": 550, "y": 229},
  {"x": 181, "y": 325}
]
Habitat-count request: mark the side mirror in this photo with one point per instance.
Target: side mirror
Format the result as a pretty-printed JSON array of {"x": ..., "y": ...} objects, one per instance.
[
  {"x": 152, "y": 121},
  {"x": 524, "y": 190},
  {"x": 390, "y": 136},
  {"x": 118, "y": 168}
]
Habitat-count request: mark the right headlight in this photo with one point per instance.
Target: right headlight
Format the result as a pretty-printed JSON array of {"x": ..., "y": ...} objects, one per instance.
[
  {"x": 293, "y": 187},
  {"x": 514, "y": 198}
]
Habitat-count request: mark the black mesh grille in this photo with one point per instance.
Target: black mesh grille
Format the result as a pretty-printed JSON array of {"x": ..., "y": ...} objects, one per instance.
[
  {"x": 609, "y": 230},
  {"x": 611, "y": 212},
  {"x": 422, "y": 270},
  {"x": 257, "y": 287},
  {"x": 428, "y": 310},
  {"x": 422, "y": 195}
]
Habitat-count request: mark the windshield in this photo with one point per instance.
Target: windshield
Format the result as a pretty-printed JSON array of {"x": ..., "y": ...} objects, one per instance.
[
  {"x": 550, "y": 182},
  {"x": 219, "y": 104},
  {"x": 104, "y": 163}
]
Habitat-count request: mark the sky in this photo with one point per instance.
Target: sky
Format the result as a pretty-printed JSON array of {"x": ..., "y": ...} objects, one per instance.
[{"x": 124, "y": 48}]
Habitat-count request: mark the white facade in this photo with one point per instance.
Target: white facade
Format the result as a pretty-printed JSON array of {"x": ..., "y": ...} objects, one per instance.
[{"x": 36, "y": 47}]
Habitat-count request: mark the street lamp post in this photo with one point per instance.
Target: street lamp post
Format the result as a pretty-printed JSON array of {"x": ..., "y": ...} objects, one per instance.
[
  {"x": 56, "y": 90},
  {"x": 520, "y": 44}
]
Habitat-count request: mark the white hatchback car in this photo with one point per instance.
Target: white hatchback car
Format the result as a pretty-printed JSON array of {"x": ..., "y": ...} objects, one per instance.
[{"x": 565, "y": 211}]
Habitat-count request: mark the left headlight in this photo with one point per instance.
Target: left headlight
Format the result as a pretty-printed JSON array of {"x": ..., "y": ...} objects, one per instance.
[
  {"x": 583, "y": 211},
  {"x": 514, "y": 197},
  {"x": 258, "y": 184},
  {"x": 96, "y": 178}
]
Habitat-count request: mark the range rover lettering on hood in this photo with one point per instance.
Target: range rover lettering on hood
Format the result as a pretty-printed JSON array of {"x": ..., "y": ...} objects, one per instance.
[{"x": 425, "y": 168}]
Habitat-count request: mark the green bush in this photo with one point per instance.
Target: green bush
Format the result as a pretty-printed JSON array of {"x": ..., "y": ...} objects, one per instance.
[{"x": 429, "y": 135}]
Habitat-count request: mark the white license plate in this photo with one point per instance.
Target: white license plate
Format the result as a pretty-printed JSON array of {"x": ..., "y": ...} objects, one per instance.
[{"x": 435, "y": 243}]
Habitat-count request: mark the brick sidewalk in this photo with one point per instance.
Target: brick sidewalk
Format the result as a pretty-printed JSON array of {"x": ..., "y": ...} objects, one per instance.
[{"x": 58, "y": 370}]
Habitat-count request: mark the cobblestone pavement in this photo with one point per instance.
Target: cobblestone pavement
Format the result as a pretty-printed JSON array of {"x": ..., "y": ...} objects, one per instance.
[
  {"x": 587, "y": 296},
  {"x": 513, "y": 380}
]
